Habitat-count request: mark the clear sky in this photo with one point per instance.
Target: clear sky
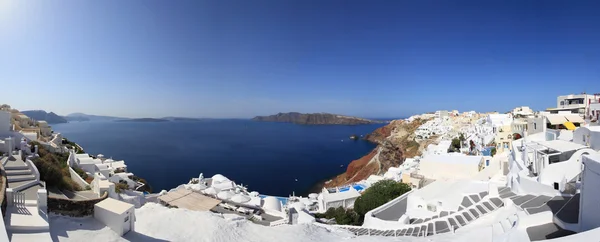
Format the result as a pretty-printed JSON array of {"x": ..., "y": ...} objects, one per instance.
[{"x": 244, "y": 58}]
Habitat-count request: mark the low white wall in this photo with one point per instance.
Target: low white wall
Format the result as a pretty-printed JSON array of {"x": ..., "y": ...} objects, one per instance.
[
  {"x": 78, "y": 178},
  {"x": 374, "y": 222},
  {"x": 33, "y": 168},
  {"x": 529, "y": 185}
]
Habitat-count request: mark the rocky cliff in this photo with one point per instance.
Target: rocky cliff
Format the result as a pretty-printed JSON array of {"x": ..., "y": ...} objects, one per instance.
[
  {"x": 314, "y": 119},
  {"x": 395, "y": 143},
  {"x": 50, "y": 117}
]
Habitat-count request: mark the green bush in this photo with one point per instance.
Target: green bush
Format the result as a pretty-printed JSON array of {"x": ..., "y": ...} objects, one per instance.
[
  {"x": 377, "y": 195},
  {"x": 493, "y": 151},
  {"x": 341, "y": 216},
  {"x": 80, "y": 172},
  {"x": 120, "y": 187},
  {"x": 54, "y": 169},
  {"x": 455, "y": 145}
]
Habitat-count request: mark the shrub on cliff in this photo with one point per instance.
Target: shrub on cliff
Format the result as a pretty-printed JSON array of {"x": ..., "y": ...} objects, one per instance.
[
  {"x": 377, "y": 195},
  {"x": 341, "y": 216},
  {"x": 53, "y": 169}
]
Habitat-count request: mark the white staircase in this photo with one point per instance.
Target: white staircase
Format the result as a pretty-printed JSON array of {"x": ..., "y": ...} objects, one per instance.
[{"x": 26, "y": 217}]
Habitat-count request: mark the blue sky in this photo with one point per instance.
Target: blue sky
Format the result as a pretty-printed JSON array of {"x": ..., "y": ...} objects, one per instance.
[{"x": 245, "y": 58}]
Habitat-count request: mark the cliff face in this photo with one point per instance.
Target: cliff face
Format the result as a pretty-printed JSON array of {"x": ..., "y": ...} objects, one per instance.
[
  {"x": 50, "y": 117},
  {"x": 314, "y": 119},
  {"x": 395, "y": 143}
]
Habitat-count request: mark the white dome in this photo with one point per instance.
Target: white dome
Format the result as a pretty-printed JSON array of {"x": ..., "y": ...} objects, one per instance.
[
  {"x": 225, "y": 195},
  {"x": 218, "y": 178},
  {"x": 100, "y": 156},
  {"x": 211, "y": 191},
  {"x": 240, "y": 198},
  {"x": 271, "y": 203},
  {"x": 254, "y": 194},
  {"x": 313, "y": 195}
]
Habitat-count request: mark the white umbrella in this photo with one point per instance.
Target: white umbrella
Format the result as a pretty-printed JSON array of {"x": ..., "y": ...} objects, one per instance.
[
  {"x": 211, "y": 191},
  {"x": 240, "y": 198},
  {"x": 225, "y": 195},
  {"x": 254, "y": 194},
  {"x": 313, "y": 195}
]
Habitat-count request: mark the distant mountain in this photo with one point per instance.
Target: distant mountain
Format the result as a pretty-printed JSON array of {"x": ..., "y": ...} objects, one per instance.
[
  {"x": 314, "y": 119},
  {"x": 145, "y": 120},
  {"x": 50, "y": 117},
  {"x": 81, "y": 117},
  {"x": 182, "y": 119}
]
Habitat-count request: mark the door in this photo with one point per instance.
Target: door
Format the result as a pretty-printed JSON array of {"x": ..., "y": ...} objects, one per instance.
[{"x": 127, "y": 223}]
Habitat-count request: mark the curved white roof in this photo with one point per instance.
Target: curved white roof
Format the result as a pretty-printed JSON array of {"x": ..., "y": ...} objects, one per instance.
[
  {"x": 271, "y": 203},
  {"x": 218, "y": 178}
]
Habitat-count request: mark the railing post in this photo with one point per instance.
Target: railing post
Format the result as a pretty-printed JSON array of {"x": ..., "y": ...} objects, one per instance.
[
  {"x": 42, "y": 198},
  {"x": 9, "y": 196}
]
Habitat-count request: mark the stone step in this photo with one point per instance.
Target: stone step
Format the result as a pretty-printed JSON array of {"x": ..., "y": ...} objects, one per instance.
[
  {"x": 19, "y": 183},
  {"x": 26, "y": 218},
  {"x": 16, "y": 167},
  {"x": 20, "y": 178},
  {"x": 30, "y": 236},
  {"x": 19, "y": 172}
]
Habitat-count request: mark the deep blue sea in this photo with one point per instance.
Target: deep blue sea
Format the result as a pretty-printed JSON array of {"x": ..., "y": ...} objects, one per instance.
[{"x": 267, "y": 157}]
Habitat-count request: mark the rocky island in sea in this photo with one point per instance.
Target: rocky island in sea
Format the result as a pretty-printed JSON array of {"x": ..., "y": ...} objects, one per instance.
[{"x": 314, "y": 119}]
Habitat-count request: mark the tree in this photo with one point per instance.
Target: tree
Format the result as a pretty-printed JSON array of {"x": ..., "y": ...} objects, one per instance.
[
  {"x": 493, "y": 151},
  {"x": 378, "y": 194},
  {"x": 455, "y": 145}
]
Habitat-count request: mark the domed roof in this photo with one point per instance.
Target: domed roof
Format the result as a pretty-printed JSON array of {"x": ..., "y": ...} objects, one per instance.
[
  {"x": 271, "y": 203},
  {"x": 218, "y": 178}
]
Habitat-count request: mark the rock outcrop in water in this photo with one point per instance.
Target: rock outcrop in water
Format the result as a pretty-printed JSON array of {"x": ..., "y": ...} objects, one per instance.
[
  {"x": 314, "y": 119},
  {"x": 395, "y": 142}
]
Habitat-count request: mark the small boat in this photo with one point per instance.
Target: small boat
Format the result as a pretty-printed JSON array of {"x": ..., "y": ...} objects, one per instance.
[
  {"x": 296, "y": 179},
  {"x": 341, "y": 165},
  {"x": 353, "y": 137}
]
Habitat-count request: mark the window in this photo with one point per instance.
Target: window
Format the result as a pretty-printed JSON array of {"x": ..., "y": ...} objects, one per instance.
[
  {"x": 583, "y": 138},
  {"x": 127, "y": 218},
  {"x": 534, "y": 125},
  {"x": 562, "y": 103}
]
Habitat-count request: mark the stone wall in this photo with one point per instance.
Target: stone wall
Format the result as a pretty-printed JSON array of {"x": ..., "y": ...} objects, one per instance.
[{"x": 73, "y": 208}]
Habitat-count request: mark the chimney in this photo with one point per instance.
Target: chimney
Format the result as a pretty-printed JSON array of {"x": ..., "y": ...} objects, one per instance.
[{"x": 36, "y": 149}]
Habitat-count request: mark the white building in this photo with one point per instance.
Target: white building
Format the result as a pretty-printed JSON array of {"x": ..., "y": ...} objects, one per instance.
[
  {"x": 450, "y": 166},
  {"x": 522, "y": 111},
  {"x": 441, "y": 114},
  {"x": 589, "y": 215},
  {"x": 45, "y": 129},
  {"x": 333, "y": 198},
  {"x": 588, "y": 136},
  {"x": 573, "y": 103},
  {"x": 5, "y": 125},
  {"x": 117, "y": 215}
]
